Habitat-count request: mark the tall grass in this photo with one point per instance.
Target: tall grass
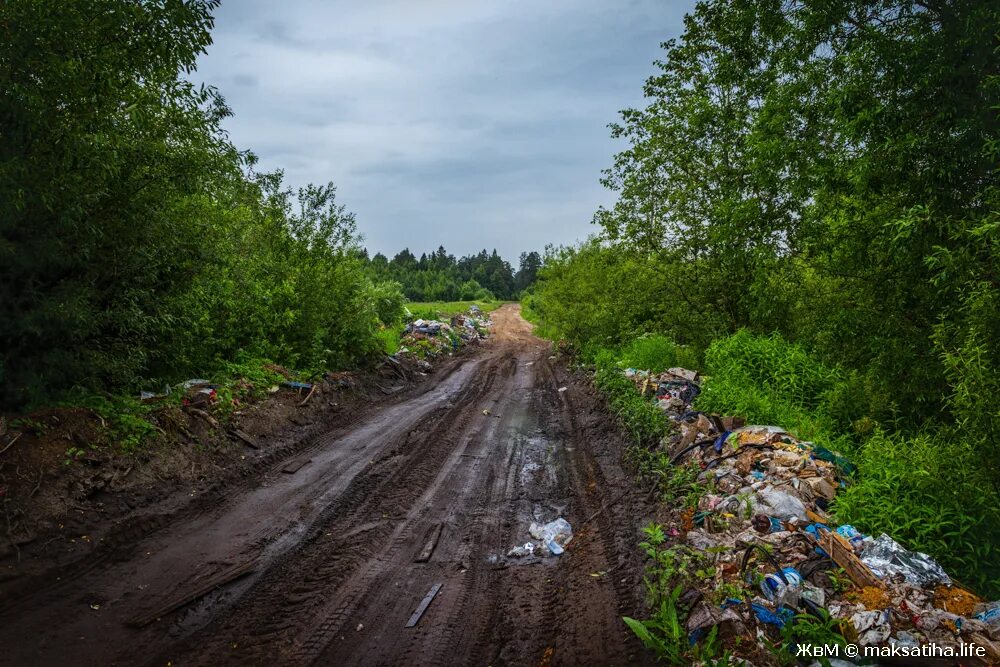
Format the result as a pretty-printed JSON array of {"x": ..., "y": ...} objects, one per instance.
[{"x": 657, "y": 354}]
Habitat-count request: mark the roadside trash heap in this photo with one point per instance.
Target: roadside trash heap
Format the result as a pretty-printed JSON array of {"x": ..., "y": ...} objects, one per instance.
[
  {"x": 773, "y": 551},
  {"x": 431, "y": 338}
]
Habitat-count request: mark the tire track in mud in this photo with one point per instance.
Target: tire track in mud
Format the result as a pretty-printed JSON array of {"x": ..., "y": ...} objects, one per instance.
[
  {"x": 338, "y": 587},
  {"x": 58, "y": 620},
  {"x": 556, "y": 612},
  {"x": 550, "y": 612},
  {"x": 272, "y": 623}
]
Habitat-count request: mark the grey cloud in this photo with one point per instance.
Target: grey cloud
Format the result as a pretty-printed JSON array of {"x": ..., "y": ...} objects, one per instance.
[{"x": 442, "y": 122}]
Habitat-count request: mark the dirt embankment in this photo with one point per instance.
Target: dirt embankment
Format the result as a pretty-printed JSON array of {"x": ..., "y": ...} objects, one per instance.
[{"x": 325, "y": 555}]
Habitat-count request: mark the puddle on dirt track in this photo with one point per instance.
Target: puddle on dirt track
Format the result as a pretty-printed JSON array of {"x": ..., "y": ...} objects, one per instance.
[
  {"x": 539, "y": 494},
  {"x": 413, "y": 510}
]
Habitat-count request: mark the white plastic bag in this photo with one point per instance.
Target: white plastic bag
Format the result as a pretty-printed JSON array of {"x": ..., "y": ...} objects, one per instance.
[{"x": 555, "y": 535}]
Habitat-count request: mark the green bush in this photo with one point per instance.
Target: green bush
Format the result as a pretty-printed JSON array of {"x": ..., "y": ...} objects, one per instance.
[
  {"x": 932, "y": 493},
  {"x": 768, "y": 380},
  {"x": 138, "y": 246},
  {"x": 657, "y": 353},
  {"x": 640, "y": 417}
]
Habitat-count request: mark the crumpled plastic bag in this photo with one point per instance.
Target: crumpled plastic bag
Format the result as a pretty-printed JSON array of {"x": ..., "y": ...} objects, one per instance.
[
  {"x": 555, "y": 535},
  {"x": 526, "y": 549},
  {"x": 988, "y": 613},
  {"x": 779, "y": 504},
  {"x": 885, "y": 557}
]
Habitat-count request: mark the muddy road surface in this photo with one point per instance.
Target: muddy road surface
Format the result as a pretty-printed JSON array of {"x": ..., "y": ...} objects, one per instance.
[{"x": 326, "y": 558}]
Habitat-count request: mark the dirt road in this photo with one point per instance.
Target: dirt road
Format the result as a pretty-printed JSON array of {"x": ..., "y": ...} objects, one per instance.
[{"x": 320, "y": 565}]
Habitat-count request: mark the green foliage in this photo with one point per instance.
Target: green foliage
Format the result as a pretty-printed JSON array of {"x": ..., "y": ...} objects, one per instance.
[
  {"x": 126, "y": 419},
  {"x": 668, "y": 571},
  {"x": 26, "y": 424},
  {"x": 664, "y": 633},
  {"x": 130, "y": 431},
  {"x": 810, "y": 197},
  {"x": 390, "y": 338},
  {"x": 640, "y": 418},
  {"x": 809, "y": 630},
  {"x": 606, "y": 296},
  {"x": 388, "y": 302},
  {"x": 770, "y": 381},
  {"x": 657, "y": 353},
  {"x": 933, "y": 493},
  {"x": 439, "y": 276},
  {"x": 137, "y": 244},
  {"x": 72, "y": 454},
  {"x": 671, "y": 566}
]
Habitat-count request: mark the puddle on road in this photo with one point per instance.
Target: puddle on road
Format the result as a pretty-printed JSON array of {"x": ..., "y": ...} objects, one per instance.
[{"x": 537, "y": 494}]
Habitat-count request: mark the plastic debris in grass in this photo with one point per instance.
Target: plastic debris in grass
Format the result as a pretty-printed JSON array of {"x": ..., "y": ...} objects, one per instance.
[{"x": 764, "y": 529}]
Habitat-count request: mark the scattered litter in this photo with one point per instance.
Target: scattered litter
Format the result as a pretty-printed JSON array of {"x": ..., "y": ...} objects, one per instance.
[
  {"x": 562, "y": 389},
  {"x": 520, "y": 551},
  {"x": 555, "y": 535},
  {"x": 425, "y": 339},
  {"x": 989, "y": 614},
  {"x": 297, "y": 385},
  {"x": 552, "y": 540},
  {"x": 361, "y": 626},
  {"x": 779, "y": 504}
]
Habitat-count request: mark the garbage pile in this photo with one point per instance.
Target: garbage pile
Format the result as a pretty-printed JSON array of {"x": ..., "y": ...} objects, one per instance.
[
  {"x": 431, "y": 338},
  {"x": 674, "y": 390},
  {"x": 773, "y": 552}
]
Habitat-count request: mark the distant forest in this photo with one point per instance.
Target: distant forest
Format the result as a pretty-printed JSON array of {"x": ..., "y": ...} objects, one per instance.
[{"x": 439, "y": 276}]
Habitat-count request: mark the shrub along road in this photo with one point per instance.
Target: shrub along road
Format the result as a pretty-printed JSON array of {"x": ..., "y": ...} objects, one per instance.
[{"x": 323, "y": 564}]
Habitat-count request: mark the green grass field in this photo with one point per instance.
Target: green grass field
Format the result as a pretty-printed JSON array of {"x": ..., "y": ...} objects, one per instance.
[{"x": 431, "y": 310}]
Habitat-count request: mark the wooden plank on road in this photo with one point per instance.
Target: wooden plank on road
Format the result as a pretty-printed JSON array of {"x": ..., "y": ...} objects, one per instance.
[
  {"x": 422, "y": 607},
  {"x": 428, "y": 550}
]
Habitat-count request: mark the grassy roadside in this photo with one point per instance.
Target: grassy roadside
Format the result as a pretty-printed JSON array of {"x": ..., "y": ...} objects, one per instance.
[{"x": 128, "y": 419}]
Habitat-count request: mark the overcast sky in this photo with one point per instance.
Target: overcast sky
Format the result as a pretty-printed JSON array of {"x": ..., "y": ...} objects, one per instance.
[{"x": 472, "y": 124}]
